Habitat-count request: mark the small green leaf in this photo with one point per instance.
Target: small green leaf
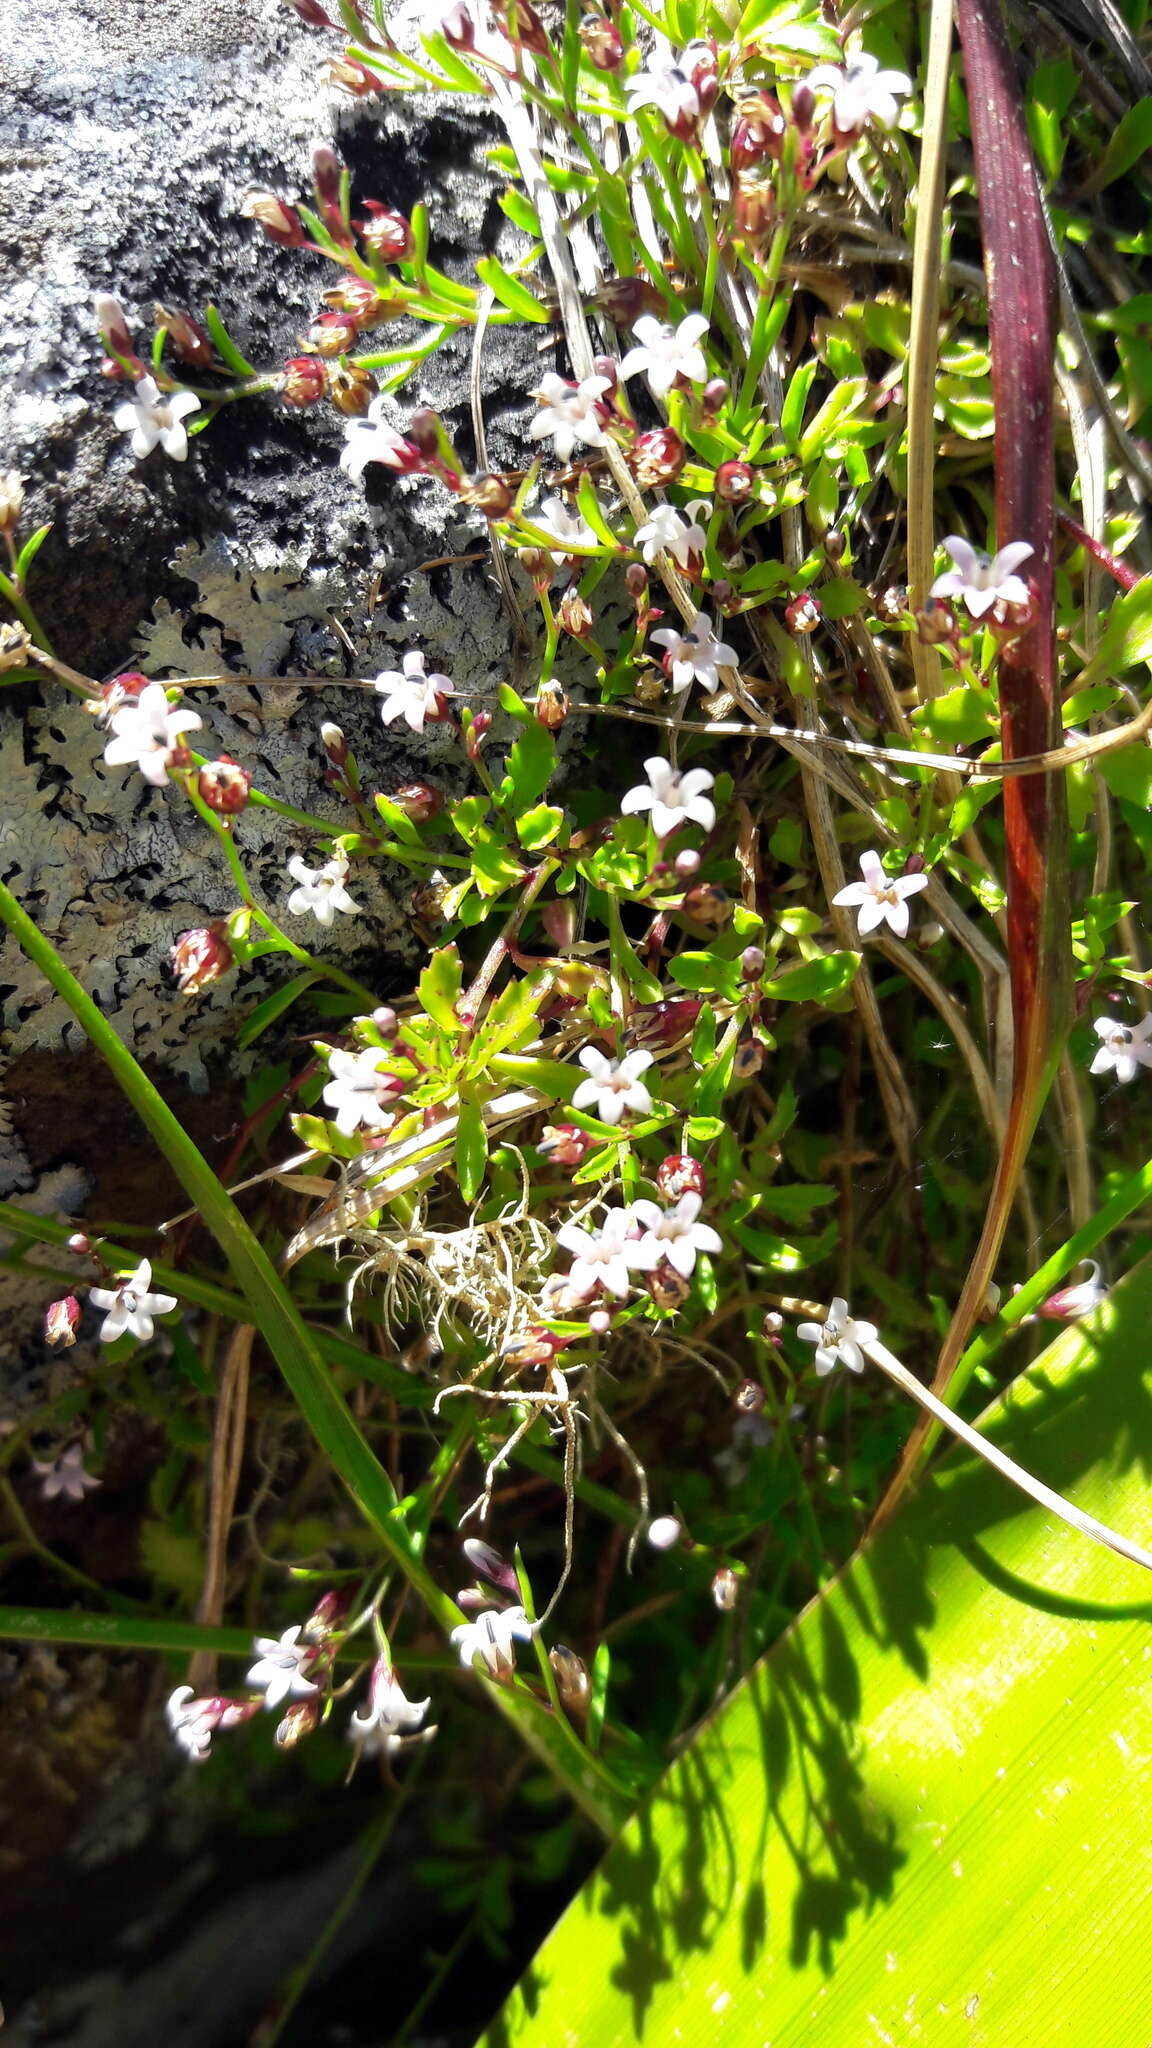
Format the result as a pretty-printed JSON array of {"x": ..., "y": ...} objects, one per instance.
[
  {"x": 530, "y": 765},
  {"x": 795, "y": 400},
  {"x": 511, "y": 292},
  {"x": 1128, "y": 774},
  {"x": 224, "y": 345},
  {"x": 495, "y": 869},
  {"x": 471, "y": 1150},
  {"x": 398, "y": 822},
  {"x": 795, "y": 1204},
  {"x": 817, "y": 981},
  {"x": 539, "y": 826},
  {"x": 703, "y": 972},
  {"x": 439, "y": 988},
  {"x": 30, "y": 550},
  {"x": 1129, "y": 141},
  {"x": 273, "y": 1006},
  {"x": 1127, "y": 637}
]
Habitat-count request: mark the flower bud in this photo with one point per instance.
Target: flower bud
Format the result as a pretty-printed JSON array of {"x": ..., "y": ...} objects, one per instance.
[
  {"x": 121, "y": 690},
  {"x": 113, "y": 326},
  {"x": 191, "y": 342},
  {"x": 489, "y": 495},
  {"x": 664, "y": 1023},
  {"x": 302, "y": 1718},
  {"x": 713, "y": 398},
  {"x": 833, "y": 545},
  {"x": 224, "y": 786},
  {"x": 772, "y": 1324},
  {"x": 734, "y": 482},
  {"x": 665, "y": 1532},
  {"x": 754, "y": 203},
  {"x": 476, "y": 733},
  {"x": 60, "y": 1320},
  {"x": 312, "y": 14},
  {"x": 749, "y": 1398},
  {"x": 564, "y": 1144},
  {"x": 303, "y": 380},
  {"x": 636, "y": 579},
  {"x": 489, "y": 1564},
  {"x": 386, "y": 1021},
  {"x": 559, "y": 921},
  {"x": 575, "y": 615},
  {"x": 334, "y": 744},
  {"x": 11, "y": 500},
  {"x": 752, "y": 963},
  {"x": 280, "y": 222},
  {"x": 80, "y": 1243},
  {"x": 418, "y": 801},
  {"x": 687, "y": 863},
  {"x": 708, "y": 905},
  {"x": 758, "y": 130},
  {"x": 725, "y": 1589},
  {"x": 331, "y": 334},
  {"x": 330, "y": 1610},
  {"x": 360, "y": 300},
  {"x": 458, "y": 28},
  {"x": 700, "y": 65},
  {"x": 668, "y": 1288},
  {"x": 657, "y": 458},
  {"x": 327, "y": 174},
  {"x": 803, "y": 106},
  {"x": 199, "y": 958},
  {"x": 351, "y": 77},
  {"x": 624, "y": 299},
  {"x": 552, "y": 704},
  {"x": 680, "y": 1175},
  {"x": 572, "y": 1682},
  {"x": 603, "y": 43},
  {"x": 351, "y": 389},
  {"x": 386, "y": 233},
  {"x": 523, "y": 26},
  {"x": 804, "y": 614},
  {"x": 599, "y": 1322}
]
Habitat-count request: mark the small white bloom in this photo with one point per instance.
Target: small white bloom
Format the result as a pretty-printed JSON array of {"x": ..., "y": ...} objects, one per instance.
[
  {"x": 613, "y": 1085},
  {"x": 674, "y": 1234},
  {"x": 672, "y": 798},
  {"x": 603, "y": 1258},
  {"x": 667, "y": 352},
  {"x": 281, "y": 1671},
  {"x": 388, "y": 1717},
  {"x": 354, "y": 1092},
  {"x": 983, "y": 580},
  {"x": 321, "y": 890},
  {"x": 146, "y": 730},
  {"x": 130, "y": 1306},
  {"x": 411, "y": 694},
  {"x": 1068, "y": 1304},
  {"x": 663, "y": 85},
  {"x": 193, "y": 1722},
  {"x": 492, "y": 1636},
  {"x": 64, "y": 1478},
  {"x": 673, "y": 532},
  {"x": 861, "y": 92},
  {"x": 557, "y": 518},
  {"x": 372, "y": 439},
  {"x": 664, "y": 1532},
  {"x": 1126, "y": 1047},
  {"x": 696, "y": 654},
  {"x": 153, "y": 417},
  {"x": 569, "y": 412},
  {"x": 880, "y": 898},
  {"x": 839, "y": 1338}
]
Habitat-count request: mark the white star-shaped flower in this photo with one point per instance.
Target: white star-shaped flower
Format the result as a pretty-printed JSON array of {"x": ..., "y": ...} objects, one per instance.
[
  {"x": 280, "y": 1673},
  {"x": 983, "y": 580},
  {"x": 321, "y": 890},
  {"x": 861, "y": 92},
  {"x": 1126, "y": 1047},
  {"x": 131, "y": 1306},
  {"x": 696, "y": 654},
  {"x": 613, "y": 1085},
  {"x": 388, "y": 1718},
  {"x": 880, "y": 898},
  {"x": 193, "y": 1722},
  {"x": 674, "y": 1234},
  {"x": 663, "y": 85},
  {"x": 355, "y": 1091},
  {"x": 492, "y": 1636},
  {"x": 411, "y": 694},
  {"x": 64, "y": 1478},
  {"x": 372, "y": 439},
  {"x": 838, "y": 1338},
  {"x": 665, "y": 352},
  {"x": 145, "y": 732},
  {"x": 676, "y": 533},
  {"x": 570, "y": 413},
  {"x": 566, "y": 526},
  {"x": 605, "y": 1257},
  {"x": 672, "y": 798},
  {"x": 157, "y": 417}
]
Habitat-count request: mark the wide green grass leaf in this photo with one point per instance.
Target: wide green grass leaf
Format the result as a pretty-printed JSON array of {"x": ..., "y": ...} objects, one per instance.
[{"x": 924, "y": 1817}]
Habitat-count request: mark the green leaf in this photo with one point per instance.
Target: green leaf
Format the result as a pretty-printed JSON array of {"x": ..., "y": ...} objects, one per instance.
[
  {"x": 495, "y": 869},
  {"x": 530, "y": 765},
  {"x": 439, "y": 989},
  {"x": 224, "y": 345},
  {"x": 917, "y": 1815},
  {"x": 30, "y": 550},
  {"x": 1128, "y": 774},
  {"x": 510, "y": 291},
  {"x": 706, "y": 973},
  {"x": 471, "y": 1150},
  {"x": 795, "y": 400},
  {"x": 1129, "y": 141},
  {"x": 398, "y": 822},
  {"x": 817, "y": 981},
  {"x": 1127, "y": 637},
  {"x": 273, "y": 1006},
  {"x": 795, "y": 1204},
  {"x": 539, "y": 826}
]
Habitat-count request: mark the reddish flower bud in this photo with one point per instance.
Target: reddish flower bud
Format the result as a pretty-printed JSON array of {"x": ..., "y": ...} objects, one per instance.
[
  {"x": 387, "y": 233},
  {"x": 559, "y": 921},
  {"x": 424, "y": 431},
  {"x": 687, "y": 862},
  {"x": 11, "y": 500},
  {"x": 749, "y": 1398},
  {"x": 302, "y": 1718},
  {"x": 713, "y": 398},
  {"x": 523, "y": 26},
  {"x": 552, "y": 702},
  {"x": 123, "y": 689},
  {"x": 484, "y": 1560},
  {"x": 735, "y": 482},
  {"x": 330, "y": 1610},
  {"x": 624, "y": 299},
  {"x": 752, "y": 963},
  {"x": 60, "y": 1320},
  {"x": 359, "y": 300},
  {"x": 804, "y": 613},
  {"x": 191, "y": 342},
  {"x": 679, "y": 1175},
  {"x": 312, "y": 13},
  {"x": 353, "y": 78},
  {"x": 113, "y": 326},
  {"x": 603, "y": 43},
  {"x": 224, "y": 786},
  {"x": 709, "y": 906},
  {"x": 668, "y": 1288},
  {"x": 199, "y": 958},
  {"x": 458, "y": 28},
  {"x": 664, "y": 1023},
  {"x": 573, "y": 1685},
  {"x": 418, "y": 801},
  {"x": 758, "y": 131},
  {"x": 700, "y": 64},
  {"x": 280, "y": 222},
  {"x": 489, "y": 494},
  {"x": 80, "y": 1244},
  {"x": 575, "y": 615},
  {"x": 564, "y": 1144},
  {"x": 331, "y": 334},
  {"x": 476, "y": 733},
  {"x": 803, "y": 106},
  {"x": 304, "y": 381},
  {"x": 351, "y": 389},
  {"x": 327, "y": 175},
  {"x": 657, "y": 458},
  {"x": 636, "y": 581},
  {"x": 334, "y": 743}
]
